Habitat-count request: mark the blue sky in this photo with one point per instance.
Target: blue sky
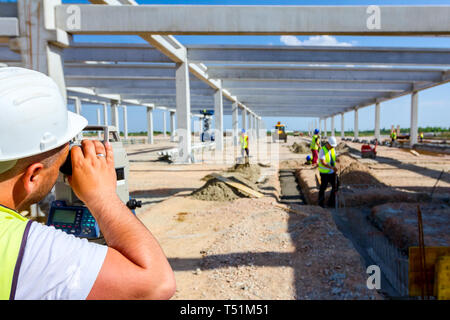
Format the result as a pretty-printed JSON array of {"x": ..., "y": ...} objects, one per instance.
[{"x": 434, "y": 103}]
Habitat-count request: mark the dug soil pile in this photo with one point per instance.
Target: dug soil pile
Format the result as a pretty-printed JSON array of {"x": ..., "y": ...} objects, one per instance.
[
  {"x": 359, "y": 186},
  {"x": 342, "y": 147},
  {"x": 216, "y": 190},
  {"x": 301, "y": 147},
  {"x": 352, "y": 172},
  {"x": 398, "y": 221}
]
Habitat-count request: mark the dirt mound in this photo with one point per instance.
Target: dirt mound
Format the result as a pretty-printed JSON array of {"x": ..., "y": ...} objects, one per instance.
[
  {"x": 216, "y": 190},
  {"x": 301, "y": 147},
  {"x": 398, "y": 221},
  {"x": 359, "y": 186},
  {"x": 353, "y": 172},
  {"x": 249, "y": 172},
  {"x": 342, "y": 147}
]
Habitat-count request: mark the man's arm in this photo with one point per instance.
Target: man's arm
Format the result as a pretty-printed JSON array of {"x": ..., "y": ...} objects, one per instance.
[{"x": 135, "y": 266}]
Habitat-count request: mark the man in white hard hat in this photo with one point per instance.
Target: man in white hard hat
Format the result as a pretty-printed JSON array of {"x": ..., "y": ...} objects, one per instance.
[
  {"x": 327, "y": 170},
  {"x": 40, "y": 262}
]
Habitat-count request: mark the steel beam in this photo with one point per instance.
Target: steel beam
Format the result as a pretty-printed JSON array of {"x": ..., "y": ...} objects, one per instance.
[
  {"x": 138, "y": 92},
  {"x": 9, "y": 27},
  {"x": 130, "y": 83},
  {"x": 326, "y": 74},
  {"x": 120, "y": 71},
  {"x": 319, "y": 85},
  {"x": 113, "y": 52},
  {"x": 318, "y": 55},
  {"x": 252, "y": 20}
]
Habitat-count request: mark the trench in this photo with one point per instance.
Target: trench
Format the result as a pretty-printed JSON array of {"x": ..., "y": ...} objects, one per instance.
[
  {"x": 375, "y": 249},
  {"x": 291, "y": 193},
  {"x": 371, "y": 244}
]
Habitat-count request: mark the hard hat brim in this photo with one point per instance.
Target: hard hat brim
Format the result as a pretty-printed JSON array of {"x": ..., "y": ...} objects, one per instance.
[{"x": 75, "y": 125}]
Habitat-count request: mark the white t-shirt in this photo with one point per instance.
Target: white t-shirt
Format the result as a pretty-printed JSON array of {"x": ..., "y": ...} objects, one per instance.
[
  {"x": 322, "y": 157},
  {"x": 57, "y": 266}
]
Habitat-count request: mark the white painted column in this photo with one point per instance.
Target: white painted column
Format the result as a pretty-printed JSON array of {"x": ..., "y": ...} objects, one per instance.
[
  {"x": 40, "y": 43},
  {"x": 332, "y": 126},
  {"x": 105, "y": 113},
  {"x": 164, "y": 124},
  {"x": 125, "y": 122},
  {"x": 218, "y": 121},
  {"x": 377, "y": 121},
  {"x": 244, "y": 119},
  {"x": 99, "y": 122},
  {"x": 258, "y": 127},
  {"x": 115, "y": 114},
  {"x": 172, "y": 126},
  {"x": 183, "y": 103},
  {"x": 150, "y": 125},
  {"x": 413, "y": 131},
  {"x": 250, "y": 126},
  {"x": 77, "y": 105},
  {"x": 325, "y": 133},
  {"x": 342, "y": 126},
  {"x": 235, "y": 125},
  {"x": 356, "y": 130}
]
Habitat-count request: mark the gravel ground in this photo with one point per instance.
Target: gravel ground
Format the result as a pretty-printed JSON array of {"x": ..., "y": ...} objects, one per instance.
[{"x": 267, "y": 253}]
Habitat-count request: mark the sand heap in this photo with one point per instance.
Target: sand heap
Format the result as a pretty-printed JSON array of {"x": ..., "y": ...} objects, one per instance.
[
  {"x": 216, "y": 190},
  {"x": 301, "y": 147},
  {"x": 353, "y": 172},
  {"x": 342, "y": 147}
]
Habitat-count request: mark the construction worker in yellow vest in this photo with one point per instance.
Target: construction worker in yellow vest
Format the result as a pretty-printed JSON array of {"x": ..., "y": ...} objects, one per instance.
[
  {"x": 393, "y": 137},
  {"x": 244, "y": 146},
  {"x": 421, "y": 137},
  {"x": 327, "y": 170},
  {"x": 314, "y": 146},
  {"x": 38, "y": 261}
]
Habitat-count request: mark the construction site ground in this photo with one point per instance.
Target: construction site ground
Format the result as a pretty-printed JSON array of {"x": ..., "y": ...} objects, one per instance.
[{"x": 252, "y": 248}]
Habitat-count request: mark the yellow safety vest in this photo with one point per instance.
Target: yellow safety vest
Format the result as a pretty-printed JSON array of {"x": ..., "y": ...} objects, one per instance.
[
  {"x": 244, "y": 142},
  {"x": 314, "y": 145},
  {"x": 394, "y": 135},
  {"x": 328, "y": 160},
  {"x": 13, "y": 236}
]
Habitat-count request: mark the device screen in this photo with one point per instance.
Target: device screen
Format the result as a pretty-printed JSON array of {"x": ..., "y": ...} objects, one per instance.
[{"x": 64, "y": 216}]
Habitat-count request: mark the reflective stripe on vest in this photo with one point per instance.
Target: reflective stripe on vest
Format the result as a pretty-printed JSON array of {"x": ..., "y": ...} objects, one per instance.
[
  {"x": 13, "y": 235},
  {"x": 314, "y": 145},
  {"x": 244, "y": 142},
  {"x": 327, "y": 152}
]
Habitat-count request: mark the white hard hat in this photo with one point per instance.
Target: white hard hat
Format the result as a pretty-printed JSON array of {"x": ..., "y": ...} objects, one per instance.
[
  {"x": 332, "y": 141},
  {"x": 34, "y": 116}
]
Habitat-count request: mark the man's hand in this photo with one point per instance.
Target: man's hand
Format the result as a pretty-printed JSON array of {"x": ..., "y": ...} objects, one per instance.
[
  {"x": 93, "y": 177},
  {"x": 135, "y": 266}
]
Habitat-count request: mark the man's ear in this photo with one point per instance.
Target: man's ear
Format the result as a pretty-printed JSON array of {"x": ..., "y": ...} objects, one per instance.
[{"x": 32, "y": 176}]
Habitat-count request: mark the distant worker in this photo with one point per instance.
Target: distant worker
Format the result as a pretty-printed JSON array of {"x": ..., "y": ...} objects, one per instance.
[
  {"x": 421, "y": 137},
  {"x": 37, "y": 261},
  {"x": 327, "y": 170},
  {"x": 393, "y": 137},
  {"x": 308, "y": 160},
  {"x": 244, "y": 146},
  {"x": 314, "y": 146}
]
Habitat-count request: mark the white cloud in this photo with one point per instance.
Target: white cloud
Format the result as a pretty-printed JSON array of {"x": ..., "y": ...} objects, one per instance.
[{"x": 313, "y": 41}]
